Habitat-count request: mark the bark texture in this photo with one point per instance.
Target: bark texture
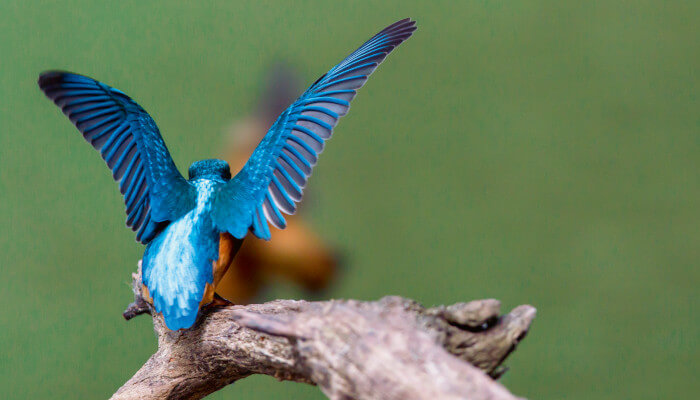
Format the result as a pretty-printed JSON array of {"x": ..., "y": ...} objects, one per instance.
[{"x": 388, "y": 349}]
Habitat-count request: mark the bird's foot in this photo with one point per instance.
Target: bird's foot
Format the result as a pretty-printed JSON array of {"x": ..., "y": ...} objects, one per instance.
[{"x": 219, "y": 302}]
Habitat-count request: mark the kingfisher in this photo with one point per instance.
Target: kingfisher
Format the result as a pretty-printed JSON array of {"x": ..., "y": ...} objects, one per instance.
[{"x": 192, "y": 228}]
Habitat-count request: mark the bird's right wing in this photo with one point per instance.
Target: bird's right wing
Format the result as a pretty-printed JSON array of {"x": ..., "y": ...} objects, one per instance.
[
  {"x": 129, "y": 141},
  {"x": 272, "y": 180}
]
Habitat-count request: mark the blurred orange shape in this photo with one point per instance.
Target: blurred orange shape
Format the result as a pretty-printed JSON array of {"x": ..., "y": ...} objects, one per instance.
[{"x": 297, "y": 253}]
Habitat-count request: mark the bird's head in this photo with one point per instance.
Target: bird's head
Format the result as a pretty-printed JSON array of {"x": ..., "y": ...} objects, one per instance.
[{"x": 210, "y": 169}]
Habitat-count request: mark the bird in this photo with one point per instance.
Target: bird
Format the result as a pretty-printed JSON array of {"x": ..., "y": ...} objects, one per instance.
[
  {"x": 192, "y": 228},
  {"x": 297, "y": 254}
]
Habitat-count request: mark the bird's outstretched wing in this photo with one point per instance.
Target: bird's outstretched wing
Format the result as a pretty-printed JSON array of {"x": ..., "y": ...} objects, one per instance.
[
  {"x": 274, "y": 177},
  {"x": 129, "y": 141}
]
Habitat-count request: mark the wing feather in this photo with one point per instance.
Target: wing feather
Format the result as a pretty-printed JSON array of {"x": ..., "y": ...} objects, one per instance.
[
  {"x": 130, "y": 143},
  {"x": 274, "y": 177}
]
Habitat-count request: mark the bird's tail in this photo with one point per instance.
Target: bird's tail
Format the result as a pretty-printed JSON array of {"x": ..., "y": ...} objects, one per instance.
[{"x": 176, "y": 277}]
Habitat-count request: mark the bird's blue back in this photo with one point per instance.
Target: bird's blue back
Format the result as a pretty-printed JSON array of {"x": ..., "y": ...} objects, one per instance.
[{"x": 177, "y": 263}]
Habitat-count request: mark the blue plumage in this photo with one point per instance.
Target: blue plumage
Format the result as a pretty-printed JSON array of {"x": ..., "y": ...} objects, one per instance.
[
  {"x": 129, "y": 141},
  {"x": 181, "y": 220},
  {"x": 177, "y": 264},
  {"x": 275, "y": 175}
]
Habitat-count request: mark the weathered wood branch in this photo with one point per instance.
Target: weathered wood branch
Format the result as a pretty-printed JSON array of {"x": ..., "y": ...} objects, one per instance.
[{"x": 388, "y": 349}]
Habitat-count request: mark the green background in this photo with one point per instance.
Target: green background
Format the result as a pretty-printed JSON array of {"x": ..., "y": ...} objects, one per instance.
[{"x": 541, "y": 152}]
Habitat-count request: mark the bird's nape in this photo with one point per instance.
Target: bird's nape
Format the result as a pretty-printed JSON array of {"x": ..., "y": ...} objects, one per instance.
[{"x": 213, "y": 168}]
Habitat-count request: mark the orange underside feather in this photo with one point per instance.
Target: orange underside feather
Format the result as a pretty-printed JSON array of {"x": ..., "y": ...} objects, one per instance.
[{"x": 228, "y": 247}]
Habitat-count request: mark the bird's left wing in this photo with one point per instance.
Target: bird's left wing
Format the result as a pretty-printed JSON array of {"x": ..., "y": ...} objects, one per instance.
[
  {"x": 129, "y": 141},
  {"x": 272, "y": 180}
]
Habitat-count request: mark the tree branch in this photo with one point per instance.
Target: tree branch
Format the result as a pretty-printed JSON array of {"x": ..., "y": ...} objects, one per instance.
[{"x": 388, "y": 349}]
